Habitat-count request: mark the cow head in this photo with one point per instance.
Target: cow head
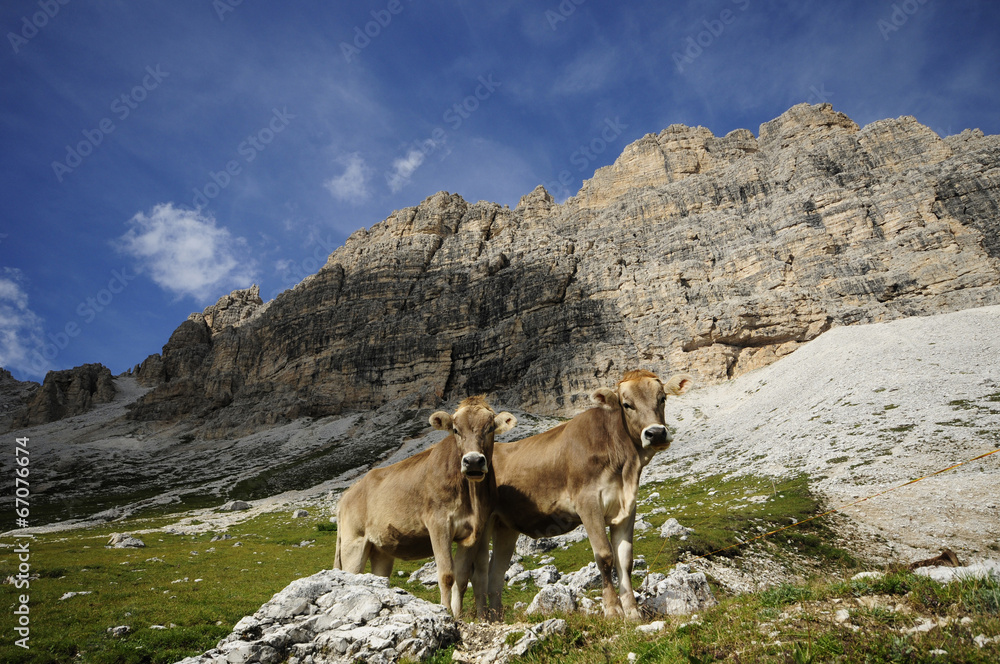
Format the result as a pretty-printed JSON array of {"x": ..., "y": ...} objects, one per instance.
[
  {"x": 474, "y": 426},
  {"x": 641, "y": 397}
]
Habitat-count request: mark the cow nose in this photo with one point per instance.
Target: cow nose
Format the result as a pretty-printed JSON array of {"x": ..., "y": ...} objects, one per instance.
[
  {"x": 474, "y": 463},
  {"x": 655, "y": 436}
]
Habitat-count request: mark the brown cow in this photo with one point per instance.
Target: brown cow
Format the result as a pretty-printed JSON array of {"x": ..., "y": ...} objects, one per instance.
[
  {"x": 417, "y": 507},
  {"x": 584, "y": 471}
]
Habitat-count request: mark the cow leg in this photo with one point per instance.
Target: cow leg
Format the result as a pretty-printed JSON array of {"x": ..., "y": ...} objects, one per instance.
[
  {"x": 481, "y": 576},
  {"x": 504, "y": 542},
  {"x": 593, "y": 521},
  {"x": 441, "y": 544},
  {"x": 465, "y": 558},
  {"x": 355, "y": 554},
  {"x": 381, "y": 563},
  {"x": 621, "y": 541}
]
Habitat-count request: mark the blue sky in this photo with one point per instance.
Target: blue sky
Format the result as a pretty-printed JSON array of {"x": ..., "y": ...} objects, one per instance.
[{"x": 156, "y": 155}]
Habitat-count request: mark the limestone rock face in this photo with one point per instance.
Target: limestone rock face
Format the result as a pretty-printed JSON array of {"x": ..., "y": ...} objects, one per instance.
[
  {"x": 68, "y": 393},
  {"x": 334, "y": 617},
  {"x": 14, "y": 396},
  {"x": 231, "y": 310},
  {"x": 695, "y": 253}
]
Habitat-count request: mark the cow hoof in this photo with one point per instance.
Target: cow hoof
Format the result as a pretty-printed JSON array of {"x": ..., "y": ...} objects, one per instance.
[{"x": 613, "y": 612}]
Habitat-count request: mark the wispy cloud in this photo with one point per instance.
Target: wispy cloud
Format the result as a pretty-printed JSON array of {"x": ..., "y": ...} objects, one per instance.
[
  {"x": 351, "y": 186},
  {"x": 185, "y": 253},
  {"x": 21, "y": 329},
  {"x": 404, "y": 168},
  {"x": 588, "y": 72}
]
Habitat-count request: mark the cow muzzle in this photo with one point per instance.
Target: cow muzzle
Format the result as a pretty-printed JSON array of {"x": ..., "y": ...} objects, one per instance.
[
  {"x": 474, "y": 466},
  {"x": 656, "y": 436}
]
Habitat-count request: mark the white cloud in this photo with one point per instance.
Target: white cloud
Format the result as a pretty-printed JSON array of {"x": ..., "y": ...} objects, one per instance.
[
  {"x": 185, "y": 253},
  {"x": 589, "y": 72},
  {"x": 21, "y": 332},
  {"x": 351, "y": 186},
  {"x": 403, "y": 169}
]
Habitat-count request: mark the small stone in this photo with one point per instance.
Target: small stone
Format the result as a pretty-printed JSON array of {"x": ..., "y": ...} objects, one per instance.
[
  {"x": 555, "y": 598},
  {"x": 119, "y": 631},
  {"x": 924, "y": 626},
  {"x": 679, "y": 593},
  {"x": 651, "y": 628},
  {"x": 545, "y": 575},
  {"x": 672, "y": 528},
  {"x": 124, "y": 541},
  {"x": 299, "y": 514},
  {"x": 842, "y": 615},
  {"x": 235, "y": 506},
  {"x": 425, "y": 575}
]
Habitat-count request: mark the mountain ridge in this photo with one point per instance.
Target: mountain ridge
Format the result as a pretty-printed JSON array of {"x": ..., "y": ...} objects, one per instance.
[{"x": 710, "y": 255}]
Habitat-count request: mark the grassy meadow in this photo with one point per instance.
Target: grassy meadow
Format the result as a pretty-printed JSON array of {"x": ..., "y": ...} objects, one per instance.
[{"x": 181, "y": 593}]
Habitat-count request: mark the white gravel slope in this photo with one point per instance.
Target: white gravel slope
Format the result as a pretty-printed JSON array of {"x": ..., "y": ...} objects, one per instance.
[{"x": 864, "y": 409}]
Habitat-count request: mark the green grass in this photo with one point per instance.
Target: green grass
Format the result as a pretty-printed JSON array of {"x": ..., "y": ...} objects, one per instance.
[
  {"x": 751, "y": 628},
  {"x": 129, "y": 587}
]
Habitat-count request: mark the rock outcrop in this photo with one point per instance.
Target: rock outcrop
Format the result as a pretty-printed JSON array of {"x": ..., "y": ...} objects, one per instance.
[
  {"x": 332, "y": 617},
  {"x": 681, "y": 592},
  {"x": 14, "y": 395},
  {"x": 696, "y": 253},
  {"x": 67, "y": 393}
]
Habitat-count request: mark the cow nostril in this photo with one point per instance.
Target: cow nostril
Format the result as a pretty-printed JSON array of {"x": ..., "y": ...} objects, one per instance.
[
  {"x": 474, "y": 461},
  {"x": 655, "y": 435}
]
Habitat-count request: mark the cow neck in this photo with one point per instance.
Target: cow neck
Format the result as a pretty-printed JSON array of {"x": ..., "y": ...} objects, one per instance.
[
  {"x": 643, "y": 454},
  {"x": 621, "y": 450},
  {"x": 480, "y": 496}
]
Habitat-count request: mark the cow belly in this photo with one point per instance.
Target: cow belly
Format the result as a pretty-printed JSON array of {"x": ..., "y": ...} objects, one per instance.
[
  {"x": 535, "y": 525},
  {"x": 403, "y": 545}
]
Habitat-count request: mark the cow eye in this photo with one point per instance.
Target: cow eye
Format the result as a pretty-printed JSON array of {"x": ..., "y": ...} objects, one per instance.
[{"x": 628, "y": 405}]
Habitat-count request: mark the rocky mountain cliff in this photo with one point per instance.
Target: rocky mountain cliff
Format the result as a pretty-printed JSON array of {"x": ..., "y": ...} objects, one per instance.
[
  {"x": 690, "y": 253},
  {"x": 710, "y": 255}
]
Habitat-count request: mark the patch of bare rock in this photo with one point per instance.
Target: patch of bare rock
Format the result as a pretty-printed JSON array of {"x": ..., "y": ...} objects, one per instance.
[{"x": 334, "y": 617}]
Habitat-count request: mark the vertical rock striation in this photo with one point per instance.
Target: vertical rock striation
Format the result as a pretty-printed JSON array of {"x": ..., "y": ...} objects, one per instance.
[
  {"x": 67, "y": 393},
  {"x": 690, "y": 253}
]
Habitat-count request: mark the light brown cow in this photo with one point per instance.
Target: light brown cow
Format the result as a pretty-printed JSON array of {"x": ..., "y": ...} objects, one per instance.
[
  {"x": 584, "y": 471},
  {"x": 417, "y": 507}
]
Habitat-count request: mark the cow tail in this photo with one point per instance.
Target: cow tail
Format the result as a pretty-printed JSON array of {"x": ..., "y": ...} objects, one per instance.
[{"x": 336, "y": 556}]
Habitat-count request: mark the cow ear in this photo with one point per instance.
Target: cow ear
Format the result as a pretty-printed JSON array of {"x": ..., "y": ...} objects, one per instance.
[
  {"x": 504, "y": 422},
  {"x": 605, "y": 397},
  {"x": 678, "y": 384},
  {"x": 441, "y": 421}
]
